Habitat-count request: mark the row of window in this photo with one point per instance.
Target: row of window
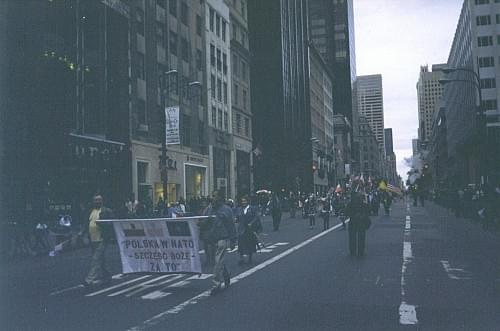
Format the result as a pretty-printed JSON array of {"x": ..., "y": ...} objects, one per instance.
[
  {"x": 486, "y": 19},
  {"x": 241, "y": 125},
  {"x": 485, "y": 2},
  {"x": 218, "y": 24},
  {"x": 218, "y": 89},
  {"x": 484, "y": 41},
  {"x": 240, "y": 68},
  {"x": 220, "y": 119},
  {"x": 220, "y": 59}
]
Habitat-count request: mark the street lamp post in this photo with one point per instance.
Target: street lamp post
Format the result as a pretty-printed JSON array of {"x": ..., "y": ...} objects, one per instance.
[
  {"x": 165, "y": 90},
  {"x": 480, "y": 114}
]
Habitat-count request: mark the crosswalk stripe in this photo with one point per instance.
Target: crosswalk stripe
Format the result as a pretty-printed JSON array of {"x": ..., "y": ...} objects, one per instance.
[
  {"x": 148, "y": 286},
  {"x": 138, "y": 285},
  {"x": 116, "y": 286},
  {"x": 155, "y": 295},
  {"x": 199, "y": 277}
]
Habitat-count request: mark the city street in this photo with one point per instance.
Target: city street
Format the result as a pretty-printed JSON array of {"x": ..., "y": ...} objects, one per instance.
[{"x": 423, "y": 270}]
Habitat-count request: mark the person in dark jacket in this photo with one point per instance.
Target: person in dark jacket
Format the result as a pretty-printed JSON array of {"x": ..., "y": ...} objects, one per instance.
[
  {"x": 325, "y": 213},
  {"x": 99, "y": 237},
  {"x": 222, "y": 233},
  {"x": 275, "y": 208},
  {"x": 247, "y": 217},
  {"x": 358, "y": 211}
]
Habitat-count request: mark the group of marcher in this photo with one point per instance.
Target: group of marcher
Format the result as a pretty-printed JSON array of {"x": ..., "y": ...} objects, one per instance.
[{"x": 229, "y": 224}]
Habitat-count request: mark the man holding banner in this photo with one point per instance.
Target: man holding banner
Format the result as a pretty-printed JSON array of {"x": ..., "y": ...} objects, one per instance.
[
  {"x": 99, "y": 235},
  {"x": 222, "y": 233}
]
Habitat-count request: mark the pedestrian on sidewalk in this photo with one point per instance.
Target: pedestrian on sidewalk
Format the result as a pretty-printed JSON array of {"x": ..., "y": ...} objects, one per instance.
[
  {"x": 222, "y": 233},
  {"x": 358, "y": 211},
  {"x": 100, "y": 235},
  {"x": 310, "y": 207}
]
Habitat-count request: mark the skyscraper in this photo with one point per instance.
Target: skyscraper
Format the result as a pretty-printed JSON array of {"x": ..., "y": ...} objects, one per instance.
[
  {"x": 429, "y": 92},
  {"x": 370, "y": 102},
  {"x": 280, "y": 94}
]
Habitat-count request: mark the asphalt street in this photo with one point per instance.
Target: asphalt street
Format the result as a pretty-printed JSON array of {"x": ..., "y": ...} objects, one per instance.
[{"x": 424, "y": 269}]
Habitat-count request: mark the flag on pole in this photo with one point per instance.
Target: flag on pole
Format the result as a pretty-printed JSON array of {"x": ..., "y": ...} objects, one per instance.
[{"x": 394, "y": 189}]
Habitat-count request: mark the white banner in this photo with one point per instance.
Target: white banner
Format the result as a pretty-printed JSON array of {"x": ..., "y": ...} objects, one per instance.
[
  {"x": 159, "y": 245},
  {"x": 172, "y": 133}
]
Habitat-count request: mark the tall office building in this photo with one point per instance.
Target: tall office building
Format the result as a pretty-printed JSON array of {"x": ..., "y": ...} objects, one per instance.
[
  {"x": 280, "y": 95},
  {"x": 390, "y": 157},
  {"x": 331, "y": 24},
  {"x": 168, "y": 37},
  {"x": 370, "y": 102},
  {"x": 240, "y": 96},
  {"x": 429, "y": 92},
  {"x": 476, "y": 49},
  {"x": 66, "y": 106}
]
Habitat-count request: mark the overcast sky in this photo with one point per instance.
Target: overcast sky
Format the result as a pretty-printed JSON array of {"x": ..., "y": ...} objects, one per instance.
[{"x": 394, "y": 38}]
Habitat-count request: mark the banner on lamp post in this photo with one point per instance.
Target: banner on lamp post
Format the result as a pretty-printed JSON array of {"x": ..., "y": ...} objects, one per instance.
[{"x": 172, "y": 131}]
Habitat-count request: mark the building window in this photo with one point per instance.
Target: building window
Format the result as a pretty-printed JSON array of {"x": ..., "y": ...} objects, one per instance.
[
  {"x": 219, "y": 90},
  {"x": 243, "y": 38},
  {"x": 212, "y": 55},
  {"x": 244, "y": 70},
  {"x": 235, "y": 31},
  {"x": 238, "y": 123},
  {"x": 212, "y": 86},
  {"x": 217, "y": 25},
  {"x": 173, "y": 7},
  {"x": 201, "y": 133},
  {"x": 220, "y": 119},
  {"x": 141, "y": 73},
  {"x": 173, "y": 42},
  {"x": 224, "y": 63},
  {"x": 214, "y": 116},
  {"x": 235, "y": 65},
  {"x": 247, "y": 127},
  {"x": 486, "y": 62},
  {"x": 199, "y": 26},
  {"x": 225, "y": 93},
  {"x": 484, "y": 41},
  {"x": 160, "y": 34},
  {"x": 141, "y": 112},
  {"x": 161, "y": 3},
  {"x": 488, "y": 83},
  {"x": 483, "y": 20},
  {"x": 484, "y": 2},
  {"x": 236, "y": 92},
  {"x": 243, "y": 9},
  {"x": 185, "y": 49},
  {"x": 224, "y": 24},
  {"x": 491, "y": 104},
  {"x": 212, "y": 19},
  {"x": 184, "y": 13},
  {"x": 139, "y": 14},
  {"x": 498, "y": 39},
  {"x": 219, "y": 60},
  {"x": 142, "y": 172},
  {"x": 244, "y": 99},
  {"x": 186, "y": 130},
  {"x": 226, "y": 121},
  {"x": 199, "y": 61}
]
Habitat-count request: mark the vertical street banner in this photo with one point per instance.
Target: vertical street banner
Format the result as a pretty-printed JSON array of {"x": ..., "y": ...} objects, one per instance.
[
  {"x": 159, "y": 245},
  {"x": 172, "y": 131}
]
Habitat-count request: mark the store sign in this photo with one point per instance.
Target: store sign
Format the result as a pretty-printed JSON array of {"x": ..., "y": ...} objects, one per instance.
[
  {"x": 194, "y": 159},
  {"x": 172, "y": 130}
]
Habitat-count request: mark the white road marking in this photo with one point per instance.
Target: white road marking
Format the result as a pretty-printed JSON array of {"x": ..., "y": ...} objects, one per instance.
[
  {"x": 148, "y": 285},
  {"x": 452, "y": 272},
  {"x": 265, "y": 250},
  {"x": 407, "y": 312},
  {"x": 139, "y": 285},
  {"x": 272, "y": 246},
  {"x": 180, "y": 284},
  {"x": 116, "y": 286},
  {"x": 202, "y": 276},
  {"x": 117, "y": 276},
  {"x": 282, "y": 244},
  {"x": 66, "y": 289},
  {"x": 194, "y": 300},
  {"x": 155, "y": 295},
  {"x": 378, "y": 280}
]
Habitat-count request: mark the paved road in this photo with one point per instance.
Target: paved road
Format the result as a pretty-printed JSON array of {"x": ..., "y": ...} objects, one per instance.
[{"x": 424, "y": 270}]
